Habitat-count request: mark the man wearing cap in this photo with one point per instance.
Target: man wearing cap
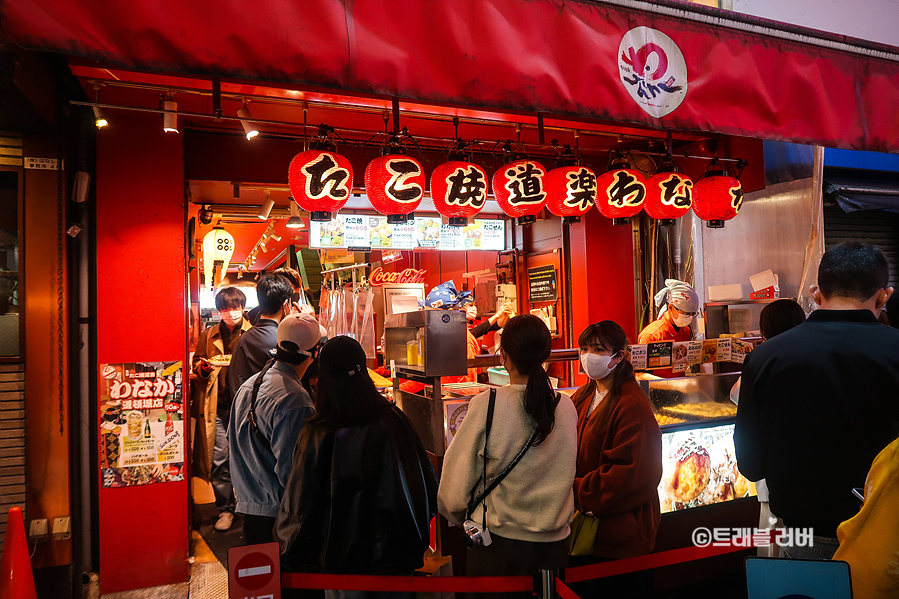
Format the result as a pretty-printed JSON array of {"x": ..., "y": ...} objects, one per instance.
[
  {"x": 268, "y": 413},
  {"x": 673, "y": 323}
]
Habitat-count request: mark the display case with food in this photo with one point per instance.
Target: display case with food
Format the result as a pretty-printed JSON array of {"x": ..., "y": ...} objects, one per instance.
[{"x": 698, "y": 458}]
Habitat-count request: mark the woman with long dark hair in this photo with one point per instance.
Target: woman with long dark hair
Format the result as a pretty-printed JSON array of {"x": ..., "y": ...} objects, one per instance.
[
  {"x": 619, "y": 453},
  {"x": 362, "y": 491},
  {"x": 526, "y": 515}
]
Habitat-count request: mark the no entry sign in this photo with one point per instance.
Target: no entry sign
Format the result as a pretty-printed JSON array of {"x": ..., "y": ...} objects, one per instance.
[{"x": 254, "y": 572}]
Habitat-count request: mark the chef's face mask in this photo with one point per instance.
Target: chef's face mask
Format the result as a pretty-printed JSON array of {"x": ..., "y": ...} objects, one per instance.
[
  {"x": 682, "y": 319},
  {"x": 597, "y": 366}
]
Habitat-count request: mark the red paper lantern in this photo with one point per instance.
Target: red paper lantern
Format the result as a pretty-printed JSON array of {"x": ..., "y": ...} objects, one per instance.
[
  {"x": 717, "y": 197},
  {"x": 669, "y": 194},
  {"x": 571, "y": 192},
  {"x": 520, "y": 190},
  {"x": 320, "y": 180},
  {"x": 395, "y": 185},
  {"x": 621, "y": 192},
  {"x": 459, "y": 190}
]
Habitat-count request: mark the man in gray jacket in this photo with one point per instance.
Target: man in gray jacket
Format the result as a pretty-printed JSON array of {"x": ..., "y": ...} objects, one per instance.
[{"x": 268, "y": 413}]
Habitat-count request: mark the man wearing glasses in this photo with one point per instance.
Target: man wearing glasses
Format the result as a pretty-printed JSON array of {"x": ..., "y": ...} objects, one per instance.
[{"x": 673, "y": 324}]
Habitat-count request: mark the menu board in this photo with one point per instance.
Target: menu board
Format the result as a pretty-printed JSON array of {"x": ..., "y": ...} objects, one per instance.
[
  {"x": 542, "y": 284},
  {"x": 699, "y": 467},
  {"x": 363, "y": 232},
  {"x": 677, "y": 355},
  {"x": 141, "y": 423}
]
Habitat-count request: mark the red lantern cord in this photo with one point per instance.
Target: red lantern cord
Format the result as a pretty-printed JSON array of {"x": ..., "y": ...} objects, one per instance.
[
  {"x": 717, "y": 196},
  {"x": 459, "y": 189},
  {"x": 395, "y": 186},
  {"x": 320, "y": 180},
  {"x": 520, "y": 190}
]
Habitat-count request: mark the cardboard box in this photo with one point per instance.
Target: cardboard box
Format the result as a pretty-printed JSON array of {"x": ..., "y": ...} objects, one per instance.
[{"x": 724, "y": 293}]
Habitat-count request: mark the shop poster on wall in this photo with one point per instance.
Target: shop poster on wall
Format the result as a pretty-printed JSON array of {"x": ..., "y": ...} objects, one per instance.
[{"x": 141, "y": 423}]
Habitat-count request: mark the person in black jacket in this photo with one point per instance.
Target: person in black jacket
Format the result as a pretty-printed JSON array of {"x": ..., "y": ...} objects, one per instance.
[
  {"x": 362, "y": 490},
  {"x": 821, "y": 400}
]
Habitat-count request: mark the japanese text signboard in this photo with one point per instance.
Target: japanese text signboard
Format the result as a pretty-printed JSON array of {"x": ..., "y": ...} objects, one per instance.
[
  {"x": 141, "y": 423},
  {"x": 542, "y": 284},
  {"x": 374, "y": 232}
]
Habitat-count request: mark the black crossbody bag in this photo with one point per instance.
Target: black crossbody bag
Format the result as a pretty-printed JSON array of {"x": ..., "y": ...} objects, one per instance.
[{"x": 473, "y": 503}]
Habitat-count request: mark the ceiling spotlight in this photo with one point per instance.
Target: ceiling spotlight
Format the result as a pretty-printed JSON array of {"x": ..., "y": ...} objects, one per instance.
[
  {"x": 294, "y": 222},
  {"x": 170, "y": 116},
  {"x": 275, "y": 237},
  {"x": 266, "y": 208},
  {"x": 99, "y": 120},
  {"x": 249, "y": 127},
  {"x": 205, "y": 215}
]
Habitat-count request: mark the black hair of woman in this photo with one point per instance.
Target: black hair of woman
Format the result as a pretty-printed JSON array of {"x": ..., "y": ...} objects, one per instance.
[
  {"x": 527, "y": 343},
  {"x": 346, "y": 395},
  {"x": 780, "y": 316},
  {"x": 606, "y": 335}
]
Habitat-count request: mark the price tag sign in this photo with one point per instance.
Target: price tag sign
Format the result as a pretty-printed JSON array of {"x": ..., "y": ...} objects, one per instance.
[{"x": 355, "y": 231}]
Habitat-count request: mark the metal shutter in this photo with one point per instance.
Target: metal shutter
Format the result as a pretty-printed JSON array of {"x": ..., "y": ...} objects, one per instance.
[
  {"x": 12, "y": 440},
  {"x": 880, "y": 227}
]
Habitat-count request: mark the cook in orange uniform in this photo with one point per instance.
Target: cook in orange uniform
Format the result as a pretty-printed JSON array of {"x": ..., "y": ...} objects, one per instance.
[{"x": 673, "y": 323}]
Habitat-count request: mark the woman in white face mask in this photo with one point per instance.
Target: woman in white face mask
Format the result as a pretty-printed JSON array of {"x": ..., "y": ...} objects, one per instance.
[{"x": 619, "y": 457}]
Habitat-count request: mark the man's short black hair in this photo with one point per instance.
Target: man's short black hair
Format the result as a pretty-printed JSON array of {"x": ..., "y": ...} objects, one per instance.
[
  {"x": 291, "y": 275},
  {"x": 230, "y": 298},
  {"x": 272, "y": 291},
  {"x": 853, "y": 270}
]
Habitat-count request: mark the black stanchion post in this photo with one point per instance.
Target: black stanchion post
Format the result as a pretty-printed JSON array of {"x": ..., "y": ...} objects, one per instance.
[{"x": 548, "y": 584}]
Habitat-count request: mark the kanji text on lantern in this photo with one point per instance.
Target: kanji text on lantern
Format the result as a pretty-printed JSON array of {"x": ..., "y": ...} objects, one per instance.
[
  {"x": 626, "y": 190},
  {"x": 581, "y": 189},
  {"x": 324, "y": 177},
  {"x": 525, "y": 184},
  {"x": 467, "y": 187},
  {"x": 400, "y": 187}
]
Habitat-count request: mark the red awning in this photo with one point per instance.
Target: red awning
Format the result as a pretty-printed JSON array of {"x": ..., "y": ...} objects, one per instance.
[{"x": 553, "y": 56}]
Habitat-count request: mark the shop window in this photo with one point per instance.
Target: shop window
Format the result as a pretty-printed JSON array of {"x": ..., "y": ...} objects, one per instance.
[{"x": 10, "y": 288}]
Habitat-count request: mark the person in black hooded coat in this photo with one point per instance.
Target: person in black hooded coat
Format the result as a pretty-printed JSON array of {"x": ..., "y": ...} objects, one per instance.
[{"x": 362, "y": 490}]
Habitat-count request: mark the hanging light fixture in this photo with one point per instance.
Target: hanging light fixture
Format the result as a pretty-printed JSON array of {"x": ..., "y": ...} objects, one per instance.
[
  {"x": 99, "y": 120},
  {"x": 266, "y": 207},
  {"x": 249, "y": 127},
  {"x": 459, "y": 187},
  {"x": 717, "y": 196},
  {"x": 669, "y": 193},
  {"x": 395, "y": 183},
  {"x": 320, "y": 179},
  {"x": 570, "y": 188},
  {"x": 519, "y": 187},
  {"x": 170, "y": 116},
  {"x": 294, "y": 222},
  {"x": 218, "y": 246},
  {"x": 621, "y": 191}
]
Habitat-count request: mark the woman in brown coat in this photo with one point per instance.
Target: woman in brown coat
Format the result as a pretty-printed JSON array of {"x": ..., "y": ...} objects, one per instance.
[{"x": 619, "y": 459}]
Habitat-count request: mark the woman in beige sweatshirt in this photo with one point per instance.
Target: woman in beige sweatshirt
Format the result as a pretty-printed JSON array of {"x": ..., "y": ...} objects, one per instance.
[{"x": 528, "y": 514}]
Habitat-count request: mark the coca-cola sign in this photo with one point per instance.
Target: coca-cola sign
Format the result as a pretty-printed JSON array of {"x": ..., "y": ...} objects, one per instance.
[{"x": 410, "y": 275}]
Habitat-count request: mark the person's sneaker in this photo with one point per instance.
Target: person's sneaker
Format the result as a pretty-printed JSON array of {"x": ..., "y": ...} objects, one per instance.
[{"x": 226, "y": 519}]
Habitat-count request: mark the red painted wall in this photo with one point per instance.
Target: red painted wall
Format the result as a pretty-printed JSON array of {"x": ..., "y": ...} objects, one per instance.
[
  {"x": 602, "y": 274},
  {"x": 141, "y": 316}
]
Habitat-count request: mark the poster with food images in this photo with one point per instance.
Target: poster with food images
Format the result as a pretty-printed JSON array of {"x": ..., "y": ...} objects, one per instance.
[
  {"x": 699, "y": 467},
  {"x": 678, "y": 355},
  {"x": 141, "y": 423}
]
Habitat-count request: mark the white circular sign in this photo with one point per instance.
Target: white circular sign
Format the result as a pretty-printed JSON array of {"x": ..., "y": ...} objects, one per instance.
[{"x": 652, "y": 70}]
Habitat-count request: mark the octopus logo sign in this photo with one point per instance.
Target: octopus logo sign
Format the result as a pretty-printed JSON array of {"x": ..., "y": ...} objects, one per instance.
[{"x": 652, "y": 70}]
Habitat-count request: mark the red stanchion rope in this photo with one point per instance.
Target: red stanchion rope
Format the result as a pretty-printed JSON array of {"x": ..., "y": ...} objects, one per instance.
[
  {"x": 646, "y": 562},
  {"x": 507, "y": 584},
  {"x": 436, "y": 584},
  {"x": 564, "y": 592}
]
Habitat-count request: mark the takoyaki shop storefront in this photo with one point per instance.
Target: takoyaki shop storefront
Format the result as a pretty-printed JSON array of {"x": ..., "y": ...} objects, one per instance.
[{"x": 206, "y": 111}]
